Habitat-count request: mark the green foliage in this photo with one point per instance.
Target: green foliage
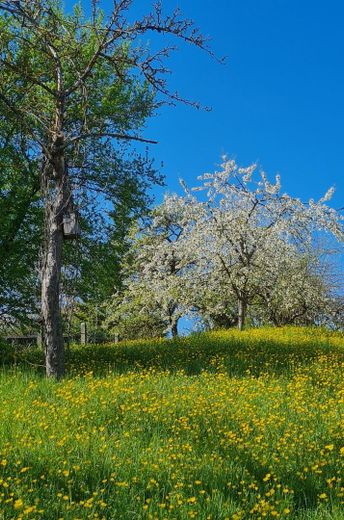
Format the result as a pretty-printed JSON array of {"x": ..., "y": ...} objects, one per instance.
[
  {"x": 20, "y": 231},
  {"x": 109, "y": 179},
  {"x": 128, "y": 315}
]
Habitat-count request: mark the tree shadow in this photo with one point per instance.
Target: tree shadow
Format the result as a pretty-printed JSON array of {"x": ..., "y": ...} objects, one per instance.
[{"x": 238, "y": 354}]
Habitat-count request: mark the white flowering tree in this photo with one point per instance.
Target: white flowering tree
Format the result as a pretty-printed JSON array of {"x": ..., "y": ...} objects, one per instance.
[
  {"x": 295, "y": 290},
  {"x": 209, "y": 299},
  {"x": 160, "y": 261},
  {"x": 245, "y": 245},
  {"x": 246, "y": 223}
]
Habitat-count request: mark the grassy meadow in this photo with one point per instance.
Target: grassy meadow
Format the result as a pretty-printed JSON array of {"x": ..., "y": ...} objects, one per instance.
[{"x": 222, "y": 425}]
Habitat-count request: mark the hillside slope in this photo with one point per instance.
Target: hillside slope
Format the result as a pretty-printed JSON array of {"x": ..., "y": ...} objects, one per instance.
[{"x": 219, "y": 425}]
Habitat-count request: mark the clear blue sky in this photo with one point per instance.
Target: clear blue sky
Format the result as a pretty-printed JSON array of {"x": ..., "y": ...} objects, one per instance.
[{"x": 279, "y": 99}]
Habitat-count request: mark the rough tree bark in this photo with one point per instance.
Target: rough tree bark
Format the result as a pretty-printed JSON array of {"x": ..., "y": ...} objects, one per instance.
[{"x": 55, "y": 184}]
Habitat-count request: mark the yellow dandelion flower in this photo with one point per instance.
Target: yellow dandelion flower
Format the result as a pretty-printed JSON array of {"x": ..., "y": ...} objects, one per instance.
[{"x": 18, "y": 504}]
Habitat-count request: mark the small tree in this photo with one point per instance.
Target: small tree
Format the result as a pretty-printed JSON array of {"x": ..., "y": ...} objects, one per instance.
[
  {"x": 134, "y": 314},
  {"x": 160, "y": 261}
]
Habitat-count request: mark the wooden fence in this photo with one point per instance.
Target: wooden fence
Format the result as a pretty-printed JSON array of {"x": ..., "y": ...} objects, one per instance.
[{"x": 36, "y": 339}]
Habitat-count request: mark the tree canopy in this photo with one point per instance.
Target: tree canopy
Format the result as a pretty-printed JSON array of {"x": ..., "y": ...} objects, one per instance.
[
  {"x": 244, "y": 247},
  {"x": 78, "y": 89}
]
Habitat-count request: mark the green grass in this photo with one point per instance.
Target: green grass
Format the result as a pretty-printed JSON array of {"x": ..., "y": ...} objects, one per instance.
[{"x": 220, "y": 425}]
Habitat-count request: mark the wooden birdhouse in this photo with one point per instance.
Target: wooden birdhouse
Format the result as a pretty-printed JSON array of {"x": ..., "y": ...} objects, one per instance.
[{"x": 71, "y": 225}]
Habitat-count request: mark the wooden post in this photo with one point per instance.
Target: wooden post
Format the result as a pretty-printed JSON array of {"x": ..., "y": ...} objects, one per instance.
[
  {"x": 39, "y": 340},
  {"x": 83, "y": 333}
]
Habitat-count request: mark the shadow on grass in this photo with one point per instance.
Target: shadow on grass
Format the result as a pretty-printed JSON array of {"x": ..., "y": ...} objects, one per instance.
[{"x": 238, "y": 354}]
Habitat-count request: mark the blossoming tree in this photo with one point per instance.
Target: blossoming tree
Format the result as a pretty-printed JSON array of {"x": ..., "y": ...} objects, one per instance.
[
  {"x": 161, "y": 260},
  {"x": 247, "y": 222}
]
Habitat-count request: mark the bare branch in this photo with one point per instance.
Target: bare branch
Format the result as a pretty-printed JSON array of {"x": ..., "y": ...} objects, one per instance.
[
  {"x": 110, "y": 135},
  {"x": 104, "y": 43},
  {"x": 118, "y": 30}
]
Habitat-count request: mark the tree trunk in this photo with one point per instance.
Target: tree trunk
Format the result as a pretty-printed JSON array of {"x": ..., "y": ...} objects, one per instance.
[
  {"x": 174, "y": 329},
  {"x": 242, "y": 309},
  {"x": 223, "y": 321},
  {"x": 56, "y": 203}
]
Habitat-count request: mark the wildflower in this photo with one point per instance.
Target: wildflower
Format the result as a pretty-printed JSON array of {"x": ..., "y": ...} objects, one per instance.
[{"x": 18, "y": 504}]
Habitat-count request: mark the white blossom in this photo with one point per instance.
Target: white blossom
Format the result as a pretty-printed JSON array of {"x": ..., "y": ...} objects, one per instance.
[{"x": 247, "y": 244}]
